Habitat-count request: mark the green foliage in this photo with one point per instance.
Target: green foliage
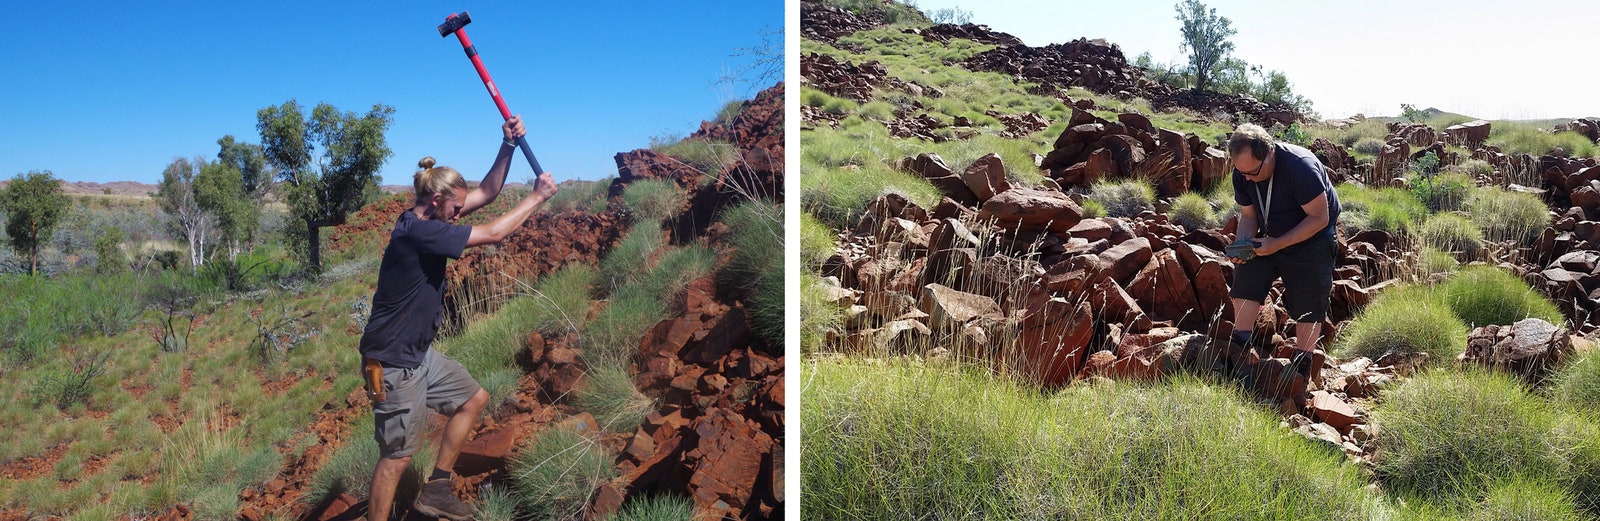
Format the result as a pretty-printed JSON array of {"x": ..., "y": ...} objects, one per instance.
[
  {"x": 219, "y": 191},
  {"x": 555, "y": 474},
  {"x": 892, "y": 12},
  {"x": 1448, "y": 435},
  {"x": 1523, "y": 138},
  {"x": 496, "y": 503},
  {"x": 329, "y": 161},
  {"x": 1369, "y": 146},
  {"x": 1426, "y": 165},
  {"x": 706, "y": 156},
  {"x": 1294, "y": 134},
  {"x": 881, "y": 442},
  {"x": 1488, "y": 295},
  {"x": 878, "y": 110},
  {"x": 614, "y": 333},
  {"x": 255, "y": 176},
  {"x": 1092, "y": 209},
  {"x": 177, "y": 197},
  {"x": 1404, "y": 319},
  {"x": 66, "y": 386},
  {"x": 654, "y": 199},
  {"x": 1442, "y": 192},
  {"x": 611, "y": 397},
  {"x": 586, "y": 196},
  {"x": 676, "y": 268},
  {"x": 1578, "y": 383},
  {"x": 817, "y": 241},
  {"x": 1193, "y": 211},
  {"x": 109, "y": 259},
  {"x": 1124, "y": 198},
  {"x": 1520, "y": 499},
  {"x": 34, "y": 205},
  {"x": 756, "y": 234},
  {"x": 1205, "y": 39},
  {"x": 818, "y": 315},
  {"x": 660, "y": 507},
  {"x": 630, "y": 258},
  {"x": 1388, "y": 209},
  {"x": 1504, "y": 215},
  {"x": 1431, "y": 261},
  {"x": 561, "y": 298},
  {"x": 1453, "y": 233}
]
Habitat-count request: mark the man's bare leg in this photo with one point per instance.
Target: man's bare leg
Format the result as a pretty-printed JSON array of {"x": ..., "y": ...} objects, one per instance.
[
  {"x": 455, "y": 431},
  {"x": 384, "y": 480}
]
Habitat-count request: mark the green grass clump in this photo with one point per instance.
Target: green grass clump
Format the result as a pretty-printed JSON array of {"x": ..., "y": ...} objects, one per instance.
[
  {"x": 817, "y": 241},
  {"x": 555, "y": 474},
  {"x": 1485, "y": 295},
  {"x": 1431, "y": 260},
  {"x": 1442, "y": 192},
  {"x": 707, "y": 156},
  {"x": 756, "y": 234},
  {"x": 561, "y": 298},
  {"x": 1390, "y": 210},
  {"x": 614, "y": 334},
  {"x": 495, "y": 503},
  {"x": 663, "y": 507},
  {"x": 654, "y": 199},
  {"x": 1193, "y": 211},
  {"x": 617, "y": 405},
  {"x": 1448, "y": 435},
  {"x": 585, "y": 196},
  {"x": 1578, "y": 383},
  {"x": 1504, "y": 215},
  {"x": 1092, "y": 209},
  {"x": 1452, "y": 233},
  {"x": 1522, "y": 138},
  {"x": 1125, "y": 198},
  {"x": 630, "y": 258},
  {"x": 1405, "y": 319},
  {"x": 846, "y": 169},
  {"x": 886, "y": 439},
  {"x": 817, "y": 314},
  {"x": 1521, "y": 499}
]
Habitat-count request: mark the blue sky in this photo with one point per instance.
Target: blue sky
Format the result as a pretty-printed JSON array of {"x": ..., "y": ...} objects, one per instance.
[
  {"x": 1528, "y": 59},
  {"x": 113, "y": 91}
]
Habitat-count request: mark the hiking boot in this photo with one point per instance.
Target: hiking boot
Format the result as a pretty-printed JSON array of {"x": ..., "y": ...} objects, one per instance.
[{"x": 438, "y": 500}]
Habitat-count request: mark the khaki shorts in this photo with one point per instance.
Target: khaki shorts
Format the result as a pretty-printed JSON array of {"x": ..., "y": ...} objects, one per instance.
[{"x": 440, "y": 383}]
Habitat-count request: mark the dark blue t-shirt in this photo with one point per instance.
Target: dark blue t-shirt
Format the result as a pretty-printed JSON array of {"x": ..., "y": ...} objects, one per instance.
[
  {"x": 408, "y": 306},
  {"x": 1297, "y": 178}
]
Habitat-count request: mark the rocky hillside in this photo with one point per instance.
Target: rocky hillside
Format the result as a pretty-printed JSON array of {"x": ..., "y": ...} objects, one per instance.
[
  {"x": 716, "y": 434},
  {"x": 1017, "y": 274}
]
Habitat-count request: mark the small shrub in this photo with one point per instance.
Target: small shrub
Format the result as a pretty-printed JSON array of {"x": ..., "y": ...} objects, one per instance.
[
  {"x": 654, "y": 199},
  {"x": 609, "y": 395},
  {"x": 65, "y": 387},
  {"x": 1193, "y": 211},
  {"x": 561, "y": 299},
  {"x": 1444, "y": 192},
  {"x": 1453, "y": 233},
  {"x": 555, "y": 475},
  {"x": 1476, "y": 168},
  {"x": 1124, "y": 198},
  {"x": 1485, "y": 295},
  {"x": 109, "y": 259},
  {"x": 661, "y": 507},
  {"x": 1406, "y": 319},
  {"x": 818, "y": 315},
  {"x": 1368, "y": 146},
  {"x": 1504, "y": 215},
  {"x": 1449, "y": 435}
]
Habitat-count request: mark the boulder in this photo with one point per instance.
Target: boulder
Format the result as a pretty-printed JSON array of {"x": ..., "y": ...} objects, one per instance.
[
  {"x": 1164, "y": 291},
  {"x": 1054, "y": 335},
  {"x": 1530, "y": 348},
  {"x": 931, "y": 167},
  {"x": 1124, "y": 260},
  {"x": 949, "y": 309},
  {"x": 1470, "y": 134},
  {"x": 1029, "y": 209},
  {"x": 986, "y": 177}
]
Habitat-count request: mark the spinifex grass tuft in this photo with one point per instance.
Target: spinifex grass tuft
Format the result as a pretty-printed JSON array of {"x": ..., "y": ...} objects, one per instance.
[
  {"x": 1405, "y": 319},
  {"x": 887, "y": 439},
  {"x": 1484, "y": 295},
  {"x": 555, "y": 474}
]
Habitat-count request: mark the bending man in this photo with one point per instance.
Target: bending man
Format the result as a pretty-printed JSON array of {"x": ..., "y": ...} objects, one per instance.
[{"x": 1288, "y": 207}]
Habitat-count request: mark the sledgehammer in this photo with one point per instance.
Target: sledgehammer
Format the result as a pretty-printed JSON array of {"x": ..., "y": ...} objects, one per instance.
[{"x": 454, "y": 24}]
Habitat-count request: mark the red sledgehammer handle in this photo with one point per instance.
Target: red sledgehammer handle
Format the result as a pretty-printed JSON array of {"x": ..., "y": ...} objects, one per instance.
[{"x": 453, "y": 25}]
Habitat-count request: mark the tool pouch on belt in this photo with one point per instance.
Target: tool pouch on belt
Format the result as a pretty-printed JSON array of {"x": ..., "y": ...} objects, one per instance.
[{"x": 372, "y": 374}]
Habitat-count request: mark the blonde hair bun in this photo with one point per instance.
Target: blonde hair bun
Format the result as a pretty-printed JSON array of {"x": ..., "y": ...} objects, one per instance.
[{"x": 426, "y": 163}]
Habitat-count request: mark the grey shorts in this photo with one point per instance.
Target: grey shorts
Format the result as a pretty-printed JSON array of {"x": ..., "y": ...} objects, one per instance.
[
  {"x": 1307, "y": 272},
  {"x": 440, "y": 383}
]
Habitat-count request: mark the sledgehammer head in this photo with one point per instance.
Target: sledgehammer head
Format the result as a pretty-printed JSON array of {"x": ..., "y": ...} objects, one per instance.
[{"x": 454, "y": 23}]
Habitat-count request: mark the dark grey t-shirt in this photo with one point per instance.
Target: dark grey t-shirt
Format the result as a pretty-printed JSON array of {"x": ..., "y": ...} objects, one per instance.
[
  {"x": 1297, "y": 178},
  {"x": 408, "y": 306}
]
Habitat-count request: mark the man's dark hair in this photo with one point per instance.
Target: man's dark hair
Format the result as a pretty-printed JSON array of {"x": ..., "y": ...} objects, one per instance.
[{"x": 1252, "y": 136}]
